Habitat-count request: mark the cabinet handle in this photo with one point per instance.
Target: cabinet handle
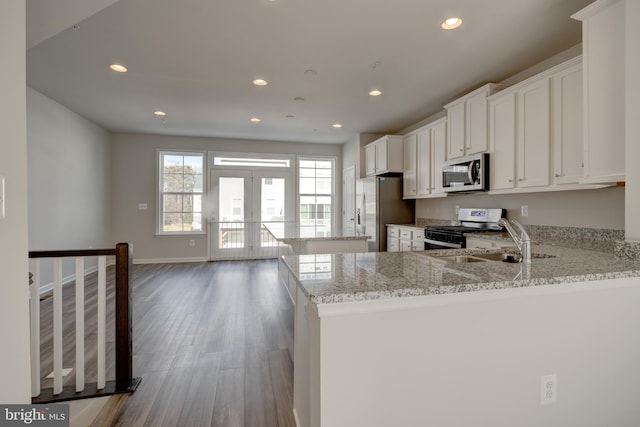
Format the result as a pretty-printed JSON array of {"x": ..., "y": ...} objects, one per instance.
[
  {"x": 510, "y": 180},
  {"x": 462, "y": 149},
  {"x": 520, "y": 179},
  {"x": 558, "y": 175}
]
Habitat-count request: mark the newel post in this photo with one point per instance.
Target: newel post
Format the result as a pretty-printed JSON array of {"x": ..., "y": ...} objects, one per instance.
[{"x": 124, "y": 354}]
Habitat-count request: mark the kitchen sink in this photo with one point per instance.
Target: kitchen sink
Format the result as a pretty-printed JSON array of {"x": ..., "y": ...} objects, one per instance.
[
  {"x": 510, "y": 257},
  {"x": 504, "y": 257},
  {"x": 461, "y": 259}
]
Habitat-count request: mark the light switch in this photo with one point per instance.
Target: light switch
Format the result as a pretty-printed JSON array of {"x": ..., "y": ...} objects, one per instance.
[
  {"x": 142, "y": 206},
  {"x": 2, "y": 196}
]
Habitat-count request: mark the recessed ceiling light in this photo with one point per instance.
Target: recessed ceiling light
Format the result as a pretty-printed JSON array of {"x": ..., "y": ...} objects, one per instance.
[
  {"x": 451, "y": 23},
  {"x": 298, "y": 98},
  {"x": 337, "y": 125},
  {"x": 375, "y": 92},
  {"x": 118, "y": 68},
  {"x": 255, "y": 120},
  {"x": 260, "y": 82},
  {"x": 289, "y": 116},
  {"x": 160, "y": 113}
]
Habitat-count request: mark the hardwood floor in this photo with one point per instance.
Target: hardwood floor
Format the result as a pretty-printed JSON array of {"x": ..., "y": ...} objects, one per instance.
[{"x": 209, "y": 341}]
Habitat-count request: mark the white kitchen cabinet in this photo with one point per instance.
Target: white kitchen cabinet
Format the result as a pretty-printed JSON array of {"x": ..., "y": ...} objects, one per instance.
[
  {"x": 603, "y": 46},
  {"x": 519, "y": 135},
  {"x": 411, "y": 239},
  {"x": 424, "y": 153},
  {"x": 384, "y": 155},
  {"x": 467, "y": 123},
  {"x": 502, "y": 136},
  {"x": 393, "y": 238},
  {"x": 533, "y": 138},
  {"x": 404, "y": 238},
  {"x": 409, "y": 174},
  {"x": 567, "y": 124}
]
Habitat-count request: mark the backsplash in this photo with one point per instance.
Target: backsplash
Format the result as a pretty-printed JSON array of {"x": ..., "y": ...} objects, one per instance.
[
  {"x": 628, "y": 250},
  {"x": 597, "y": 239}
]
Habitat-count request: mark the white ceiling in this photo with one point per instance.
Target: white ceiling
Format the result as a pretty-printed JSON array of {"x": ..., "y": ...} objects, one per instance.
[{"x": 195, "y": 59}]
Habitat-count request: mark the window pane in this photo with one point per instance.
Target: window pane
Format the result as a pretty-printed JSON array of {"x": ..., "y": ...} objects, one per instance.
[
  {"x": 173, "y": 183},
  {"x": 172, "y": 203},
  {"x": 172, "y": 163},
  {"x": 272, "y": 199},
  {"x": 193, "y": 164},
  {"x": 172, "y": 222},
  {"x": 323, "y": 186},
  {"x": 307, "y": 172},
  {"x": 324, "y": 164},
  {"x": 307, "y": 185},
  {"x": 308, "y": 164},
  {"x": 231, "y": 199}
]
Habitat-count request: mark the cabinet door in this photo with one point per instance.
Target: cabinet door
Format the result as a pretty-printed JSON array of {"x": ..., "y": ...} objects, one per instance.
[
  {"x": 502, "y": 134},
  {"x": 424, "y": 163},
  {"x": 567, "y": 126},
  {"x": 455, "y": 127},
  {"x": 393, "y": 245},
  {"x": 604, "y": 96},
  {"x": 370, "y": 159},
  {"x": 533, "y": 134},
  {"x": 476, "y": 124},
  {"x": 438, "y": 144},
  {"x": 409, "y": 174},
  {"x": 381, "y": 156}
]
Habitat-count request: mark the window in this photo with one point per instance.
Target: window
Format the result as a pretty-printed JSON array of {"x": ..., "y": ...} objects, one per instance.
[
  {"x": 316, "y": 196},
  {"x": 181, "y": 188}
]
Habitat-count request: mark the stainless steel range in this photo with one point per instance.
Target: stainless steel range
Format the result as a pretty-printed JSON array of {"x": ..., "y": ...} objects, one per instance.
[{"x": 471, "y": 220}]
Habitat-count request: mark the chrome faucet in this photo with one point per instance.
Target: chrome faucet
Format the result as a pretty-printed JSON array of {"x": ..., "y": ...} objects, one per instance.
[{"x": 522, "y": 240}]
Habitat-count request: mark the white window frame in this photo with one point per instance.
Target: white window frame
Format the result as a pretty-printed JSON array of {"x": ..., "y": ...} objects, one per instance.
[
  {"x": 159, "y": 193},
  {"x": 334, "y": 161}
]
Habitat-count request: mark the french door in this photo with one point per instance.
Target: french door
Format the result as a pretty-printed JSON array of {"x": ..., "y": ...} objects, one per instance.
[{"x": 242, "y": 200}]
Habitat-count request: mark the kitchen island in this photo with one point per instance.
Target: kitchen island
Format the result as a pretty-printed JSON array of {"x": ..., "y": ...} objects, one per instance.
[{"x": 413, "y": 339}]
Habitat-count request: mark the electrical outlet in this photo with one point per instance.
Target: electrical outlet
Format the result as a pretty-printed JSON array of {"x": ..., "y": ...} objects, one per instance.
[
  {"x": 524, "y": 210},
  {"x": 192, "y": 242},
  {"x": 548, "y": 389},
  {"x": 457, "y": 210}
]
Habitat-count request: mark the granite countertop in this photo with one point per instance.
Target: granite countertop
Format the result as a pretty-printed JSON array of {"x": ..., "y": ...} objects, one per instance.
[
  {"x": 288, "y": 232},
  {"x": 337, "y": 278}
]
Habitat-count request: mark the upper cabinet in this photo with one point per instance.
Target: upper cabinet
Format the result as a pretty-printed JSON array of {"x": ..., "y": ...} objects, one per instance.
[
  {"x": 467, "y": 123},
  {"x": 384, "y": 155},
  {"x": 535, "y": 132},
  {"x": 519, "y": 135},
  {"x": 424, "y": 155},
  {"x": 567, "y": 124},
  {"x": 603, "y": 38},
  {"x": 409, "y": 175}
]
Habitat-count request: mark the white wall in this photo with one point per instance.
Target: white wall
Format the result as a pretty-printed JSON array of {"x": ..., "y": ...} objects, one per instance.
[
  {"x": 632, "y": 122},
  {"x": 69, "y": 167},
  {"x": 15, "y": 386},
  {"x": 603, "y": 208},
  {"x": 481, "y": 363},
  {"x": 133, "y": 181}
]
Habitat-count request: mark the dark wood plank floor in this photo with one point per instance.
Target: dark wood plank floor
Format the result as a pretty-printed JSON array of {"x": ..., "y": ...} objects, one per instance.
[{"x": 209, "y": 341}]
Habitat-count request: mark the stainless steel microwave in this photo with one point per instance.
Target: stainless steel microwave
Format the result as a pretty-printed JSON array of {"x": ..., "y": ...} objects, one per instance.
[{"x": 469, "y": 173}]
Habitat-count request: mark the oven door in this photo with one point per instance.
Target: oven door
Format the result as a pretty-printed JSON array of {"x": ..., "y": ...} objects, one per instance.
[{"x": 435, "y": 244}]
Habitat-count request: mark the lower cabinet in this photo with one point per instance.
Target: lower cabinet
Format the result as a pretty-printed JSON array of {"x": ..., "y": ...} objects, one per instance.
[{"x": 404, "y": 239}]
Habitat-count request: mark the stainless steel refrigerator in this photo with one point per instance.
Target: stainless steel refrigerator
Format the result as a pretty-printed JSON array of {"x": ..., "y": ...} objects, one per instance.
[{"x": 378, "y": 203}]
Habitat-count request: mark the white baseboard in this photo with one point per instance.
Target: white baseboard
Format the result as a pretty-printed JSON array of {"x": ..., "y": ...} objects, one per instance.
[
  {"x": 169, "y": 260},
  {"x": 48, "y": 287}
]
